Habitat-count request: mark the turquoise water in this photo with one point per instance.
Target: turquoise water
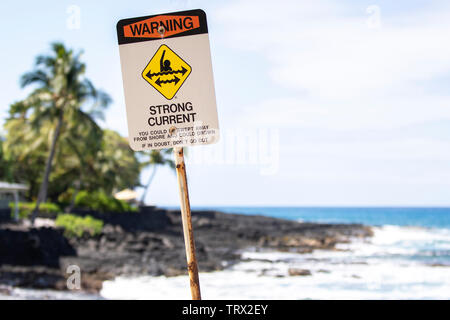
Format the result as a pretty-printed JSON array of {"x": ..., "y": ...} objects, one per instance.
[
  {"x": 430, "y": 246},
  {"x": 419, "y": 217}
]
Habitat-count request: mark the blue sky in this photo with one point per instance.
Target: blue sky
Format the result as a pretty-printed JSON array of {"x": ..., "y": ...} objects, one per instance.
[{"x": 351, "y": 97}]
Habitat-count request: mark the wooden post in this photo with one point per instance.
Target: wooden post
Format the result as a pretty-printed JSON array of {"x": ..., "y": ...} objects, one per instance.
[{"x": 187, "y": 223}]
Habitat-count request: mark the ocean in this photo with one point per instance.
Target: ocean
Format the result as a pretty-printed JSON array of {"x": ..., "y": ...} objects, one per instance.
[
  {"x": 407, "y": 258},
  {"x": 417, "y": 217}
]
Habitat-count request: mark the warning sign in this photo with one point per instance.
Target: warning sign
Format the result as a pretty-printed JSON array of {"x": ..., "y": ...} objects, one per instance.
[
  {"x": 166, "y": 71},
  {"x": 168, "y": 80}
]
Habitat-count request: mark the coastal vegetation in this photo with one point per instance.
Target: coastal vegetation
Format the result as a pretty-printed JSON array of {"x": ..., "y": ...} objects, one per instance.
[
  {"x": 46, "y": 209},
  {"x": 75, "y": 226},
  {"x": 101, "y": 202}
]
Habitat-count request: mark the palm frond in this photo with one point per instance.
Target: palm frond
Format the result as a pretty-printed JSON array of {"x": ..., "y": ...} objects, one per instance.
[{"x": 35, "y": 77}]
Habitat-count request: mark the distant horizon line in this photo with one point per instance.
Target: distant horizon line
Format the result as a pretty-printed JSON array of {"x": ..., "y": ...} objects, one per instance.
[{"x": 317, "y": 206}]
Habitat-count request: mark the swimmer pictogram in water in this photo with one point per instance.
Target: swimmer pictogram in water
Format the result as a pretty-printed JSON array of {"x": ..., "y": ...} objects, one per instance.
[
  {"x": 166, "y": 65},
  {"x": 166, "y": 71},
  {"x": 165, "y": 68}
]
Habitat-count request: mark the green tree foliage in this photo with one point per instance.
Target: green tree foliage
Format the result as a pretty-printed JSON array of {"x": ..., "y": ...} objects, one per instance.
[
  {"x": 61, "y": 91},
  {"x": 116, "y": 165},
  {"x": 6, "y": 167},
  {"x": 25, "y": 149},
  {"x": 53, "y": 142}
]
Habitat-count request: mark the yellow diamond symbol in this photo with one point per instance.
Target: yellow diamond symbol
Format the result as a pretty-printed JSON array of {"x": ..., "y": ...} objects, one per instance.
[{"x": 166, "y": 71}]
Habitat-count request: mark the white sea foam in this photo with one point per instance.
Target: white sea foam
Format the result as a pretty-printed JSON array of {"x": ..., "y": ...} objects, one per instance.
[{"x": 383, "y": 267}]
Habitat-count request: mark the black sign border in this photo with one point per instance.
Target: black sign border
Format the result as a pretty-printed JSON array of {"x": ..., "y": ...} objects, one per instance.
[{"x": 197, "y": 12}]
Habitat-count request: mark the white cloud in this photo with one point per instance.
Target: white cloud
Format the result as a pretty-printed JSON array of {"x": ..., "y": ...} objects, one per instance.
[
  {"x": 349, "y": 75},
  {"x": 346, "y": 114}
]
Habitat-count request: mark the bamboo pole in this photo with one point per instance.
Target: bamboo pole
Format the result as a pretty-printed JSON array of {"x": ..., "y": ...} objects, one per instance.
[{"x": 187, "y": 223}]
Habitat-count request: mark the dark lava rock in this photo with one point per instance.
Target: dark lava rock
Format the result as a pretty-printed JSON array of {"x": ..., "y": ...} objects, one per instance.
[
  {"x": 151, "y": 243},
  {"x": 30, "y": 247}
]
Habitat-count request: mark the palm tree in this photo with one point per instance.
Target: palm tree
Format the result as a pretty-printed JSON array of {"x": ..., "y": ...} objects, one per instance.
[
  {"x": 61, "y": 93},
  {"x": 156, "y": 158}
]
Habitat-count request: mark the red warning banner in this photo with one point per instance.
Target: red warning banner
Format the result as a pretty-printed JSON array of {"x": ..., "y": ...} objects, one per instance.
[{"x": 173, "y": 25}]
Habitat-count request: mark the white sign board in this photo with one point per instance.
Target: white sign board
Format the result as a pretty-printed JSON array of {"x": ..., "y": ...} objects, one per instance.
[{"x": 168, "y": 80}]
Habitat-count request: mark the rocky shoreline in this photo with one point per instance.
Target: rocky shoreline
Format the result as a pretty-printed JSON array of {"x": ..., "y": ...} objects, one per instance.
[{"x": 151, "y": 242}]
